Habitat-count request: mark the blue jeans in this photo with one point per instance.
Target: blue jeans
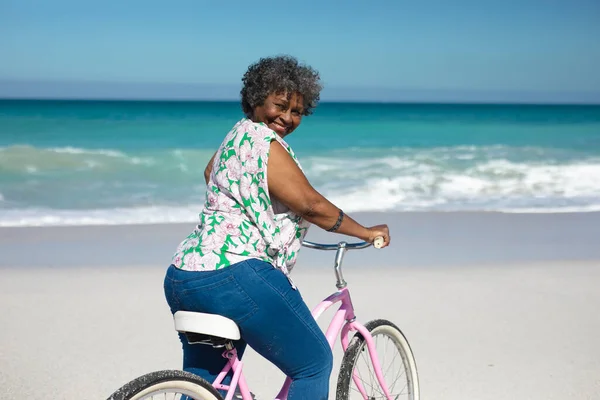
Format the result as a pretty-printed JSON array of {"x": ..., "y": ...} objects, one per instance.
[{"x": 272, "y": 317}]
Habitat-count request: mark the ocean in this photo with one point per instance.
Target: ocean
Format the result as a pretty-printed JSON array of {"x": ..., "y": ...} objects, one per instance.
[{"x": 125, "y": 162}]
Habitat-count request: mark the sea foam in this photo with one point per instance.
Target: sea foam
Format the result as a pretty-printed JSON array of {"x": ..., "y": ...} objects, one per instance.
[{"x": 76, "y": 186}]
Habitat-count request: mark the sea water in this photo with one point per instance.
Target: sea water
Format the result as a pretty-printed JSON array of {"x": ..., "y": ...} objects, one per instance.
[{"x": 118, "y": 162}]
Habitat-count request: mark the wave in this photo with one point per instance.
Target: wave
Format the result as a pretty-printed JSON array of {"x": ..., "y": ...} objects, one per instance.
[
  {"x": 75, "y": 186},
  {"x": 76, "y": 150},
  {"x": 491, "y": 185},
  {"x": 28, "y": 150},
  {"x": 189, "y": 214},
  {"x": 116, "y": 216},
  {"x": 549, "y": 210},
  {"x": 31, "y": 160}
]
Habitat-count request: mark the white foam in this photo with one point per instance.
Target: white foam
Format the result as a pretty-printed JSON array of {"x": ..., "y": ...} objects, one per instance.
[
  {"x": 428, "y": 180},
  {"x": 492, "y": 185},
  {"x": 118, "y": 216},
  {"x": 77, "y": 150},
  {"x": 550, "y": 210},
  {"x": 134, "y": 160},
  {"x": 34, "y": 160}
]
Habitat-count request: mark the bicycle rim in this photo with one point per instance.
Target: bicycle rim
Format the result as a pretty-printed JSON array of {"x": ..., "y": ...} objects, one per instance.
[
  {"x": 167, "y": 385},
  {"x": 396, "y": 360},
  {"x": 166, "y": 391}
]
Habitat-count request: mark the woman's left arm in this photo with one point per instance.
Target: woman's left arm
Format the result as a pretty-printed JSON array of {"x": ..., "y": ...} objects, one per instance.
[{"x": 208, "y": 168}]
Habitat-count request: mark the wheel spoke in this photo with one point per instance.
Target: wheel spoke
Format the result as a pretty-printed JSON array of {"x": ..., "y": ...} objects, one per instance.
[
  {"x": 372, "y": 380},
  {"x": 401, "y": 381},
  {"x": 364, "y": 357},
  {"x": 360, "y": 377},
  {"x": 393, "y": 384},
  {"x": 375, "y": 385}
]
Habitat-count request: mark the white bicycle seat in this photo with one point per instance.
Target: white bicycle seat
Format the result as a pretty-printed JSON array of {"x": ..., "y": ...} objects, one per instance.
[{"x": 206, "y": 324}]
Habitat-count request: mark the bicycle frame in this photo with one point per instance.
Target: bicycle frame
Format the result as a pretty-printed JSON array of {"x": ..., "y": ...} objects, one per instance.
[{"x": 342, "y": 323}]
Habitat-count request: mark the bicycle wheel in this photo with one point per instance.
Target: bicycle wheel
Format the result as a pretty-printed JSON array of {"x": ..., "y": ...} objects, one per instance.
[
  {"x": 169, "y": 385},
  {"x": 396, "y": 359}
]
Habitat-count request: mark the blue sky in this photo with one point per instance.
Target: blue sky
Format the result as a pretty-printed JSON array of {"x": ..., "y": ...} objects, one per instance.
[{"x": 538, "y": 50}]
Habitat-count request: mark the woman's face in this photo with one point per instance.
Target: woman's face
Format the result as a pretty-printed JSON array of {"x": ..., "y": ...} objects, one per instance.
[{"x": 280, "y": 112}]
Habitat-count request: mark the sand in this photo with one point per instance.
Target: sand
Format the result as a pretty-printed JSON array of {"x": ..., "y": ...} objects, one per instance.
[{"x": 481, "y": 328}]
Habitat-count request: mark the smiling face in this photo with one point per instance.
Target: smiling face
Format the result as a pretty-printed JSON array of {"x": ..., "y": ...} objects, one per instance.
[{"x": 280, "y": 112}]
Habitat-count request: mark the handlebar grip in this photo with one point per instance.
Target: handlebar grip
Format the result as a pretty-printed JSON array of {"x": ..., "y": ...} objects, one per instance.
[{"x": 378, "y": 242}]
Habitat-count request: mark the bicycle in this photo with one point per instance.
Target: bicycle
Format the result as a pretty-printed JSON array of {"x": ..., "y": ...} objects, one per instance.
[{"x": 218, "y": 331}]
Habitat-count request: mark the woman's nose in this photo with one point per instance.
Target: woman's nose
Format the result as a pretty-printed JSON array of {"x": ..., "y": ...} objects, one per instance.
[{"x": 287, "y": 117}]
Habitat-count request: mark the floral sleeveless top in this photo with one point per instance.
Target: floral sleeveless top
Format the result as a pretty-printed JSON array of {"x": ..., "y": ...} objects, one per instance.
[{"x": 239, "y": 220}]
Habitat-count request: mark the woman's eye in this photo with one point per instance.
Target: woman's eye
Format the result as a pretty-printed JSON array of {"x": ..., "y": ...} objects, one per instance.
[{"x": 281, "y": 106}]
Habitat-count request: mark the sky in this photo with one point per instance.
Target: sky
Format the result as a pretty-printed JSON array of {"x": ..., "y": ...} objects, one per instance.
[{"x": 430, "y": 50}]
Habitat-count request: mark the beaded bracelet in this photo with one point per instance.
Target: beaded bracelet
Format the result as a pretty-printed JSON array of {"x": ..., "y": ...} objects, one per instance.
[{"x": 338, "y": 223}]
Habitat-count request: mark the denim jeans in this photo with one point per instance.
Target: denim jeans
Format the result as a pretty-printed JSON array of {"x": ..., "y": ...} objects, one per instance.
[{"x": 272, "y": 317}]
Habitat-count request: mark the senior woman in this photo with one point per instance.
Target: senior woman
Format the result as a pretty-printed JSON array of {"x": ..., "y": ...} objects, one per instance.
[{"x": 259, "y": 205}]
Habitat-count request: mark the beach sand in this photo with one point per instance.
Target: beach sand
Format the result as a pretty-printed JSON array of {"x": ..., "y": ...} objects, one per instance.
[{"x": 500, "y": 306}]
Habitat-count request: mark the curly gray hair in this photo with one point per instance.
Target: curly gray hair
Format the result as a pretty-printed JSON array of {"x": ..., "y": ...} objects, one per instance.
[{"x": 281, "y": 74}]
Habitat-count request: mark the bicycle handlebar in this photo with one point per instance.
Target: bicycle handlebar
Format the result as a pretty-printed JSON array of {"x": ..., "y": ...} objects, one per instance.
[
  {"x": 336, "y": 246},
  {"x": 378, "y": 242}
]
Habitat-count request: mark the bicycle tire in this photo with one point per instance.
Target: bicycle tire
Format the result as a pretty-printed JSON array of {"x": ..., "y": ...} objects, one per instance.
[
  {"x": 356, "y": 346},
  {"x": 186, "y": 383}
]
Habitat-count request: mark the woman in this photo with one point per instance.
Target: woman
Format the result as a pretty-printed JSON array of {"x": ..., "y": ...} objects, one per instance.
[{"x": 258, "y": 207}]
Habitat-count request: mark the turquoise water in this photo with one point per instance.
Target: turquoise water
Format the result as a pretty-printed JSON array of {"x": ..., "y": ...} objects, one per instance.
[{"x": 78, "y": 162}]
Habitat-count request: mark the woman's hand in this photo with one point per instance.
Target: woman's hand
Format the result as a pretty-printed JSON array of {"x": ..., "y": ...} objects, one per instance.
[{"x": 379, "y": 231}]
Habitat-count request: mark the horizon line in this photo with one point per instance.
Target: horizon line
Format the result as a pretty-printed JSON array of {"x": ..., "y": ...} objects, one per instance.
[
  {"x": 178, "y": 92},
  {"x": 336, "y": 101}
]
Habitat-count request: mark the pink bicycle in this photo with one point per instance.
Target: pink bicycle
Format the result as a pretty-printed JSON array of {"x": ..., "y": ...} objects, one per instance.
[{"x": 368, "y": 369}]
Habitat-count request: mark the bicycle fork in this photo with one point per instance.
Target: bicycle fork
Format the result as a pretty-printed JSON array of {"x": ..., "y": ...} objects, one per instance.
[{"x": 353, "y": 325}]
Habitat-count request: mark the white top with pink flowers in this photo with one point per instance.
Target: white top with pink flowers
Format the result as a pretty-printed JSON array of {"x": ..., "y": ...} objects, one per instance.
[{"x": 239, "y": 220}]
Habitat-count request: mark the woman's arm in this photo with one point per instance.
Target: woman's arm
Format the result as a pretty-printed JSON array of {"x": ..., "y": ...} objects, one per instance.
[
  {"x": 208, "y": 168},
  {"x": 288, "y": 184}
]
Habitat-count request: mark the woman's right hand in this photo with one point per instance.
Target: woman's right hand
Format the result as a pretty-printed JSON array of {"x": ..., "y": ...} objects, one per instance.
[{"x": 379, "y": 231}]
